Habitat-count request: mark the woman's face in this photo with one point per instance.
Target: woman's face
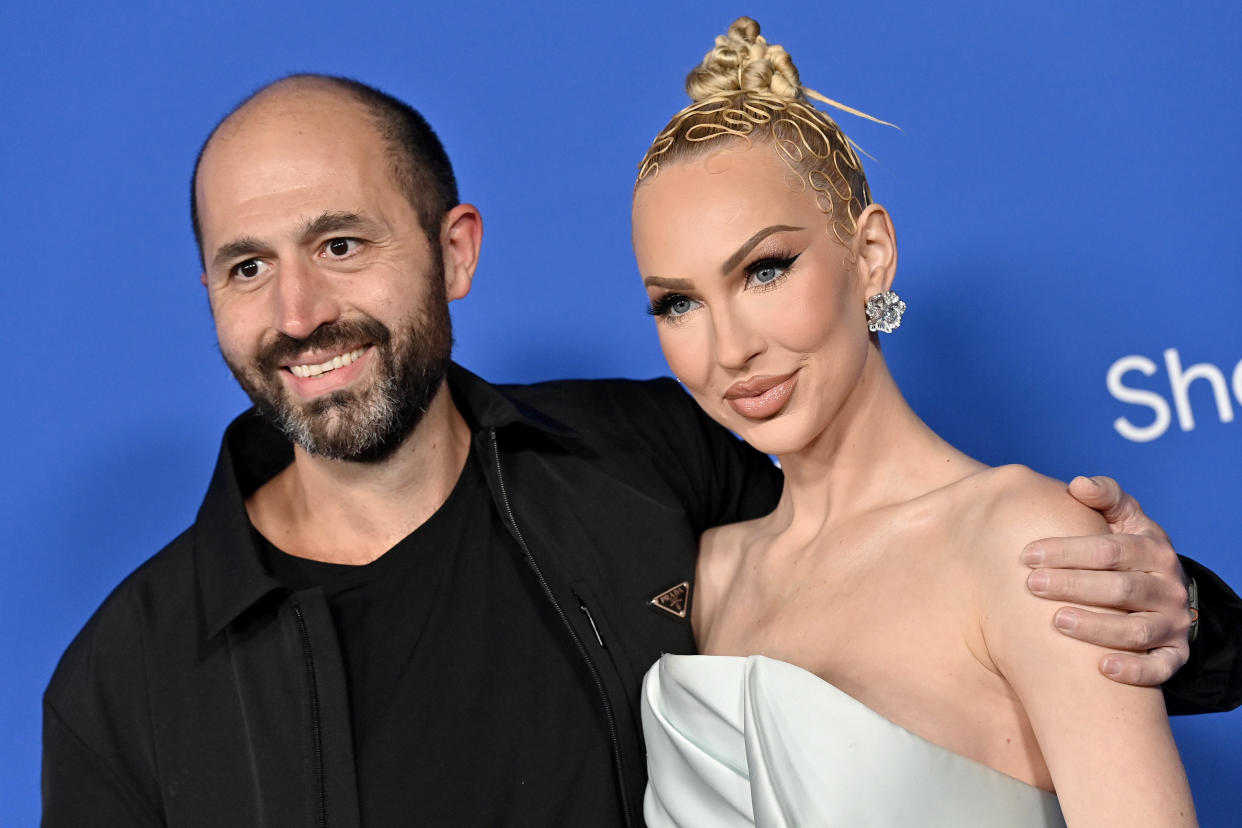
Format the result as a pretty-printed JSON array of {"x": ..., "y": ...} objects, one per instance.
[{"x": 759, "y": 308}]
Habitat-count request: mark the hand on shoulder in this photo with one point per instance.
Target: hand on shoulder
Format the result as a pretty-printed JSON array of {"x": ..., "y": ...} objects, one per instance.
[{"x": 1102, "y": 741}]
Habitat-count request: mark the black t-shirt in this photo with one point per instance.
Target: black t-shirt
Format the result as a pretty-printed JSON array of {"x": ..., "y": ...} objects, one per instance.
[{"x": 447, "y": 640}]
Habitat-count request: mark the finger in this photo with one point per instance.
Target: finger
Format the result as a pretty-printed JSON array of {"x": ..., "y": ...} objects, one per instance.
[
  {"x": 1115, "y": 590},
  {"x": 1146, "y": 670},
  {"x": 1101, "y": 552},
  {"x": 1121, "y": 510},
  {"x": 1136, "y": 631},
  {"x": 1100, "y": 493}
]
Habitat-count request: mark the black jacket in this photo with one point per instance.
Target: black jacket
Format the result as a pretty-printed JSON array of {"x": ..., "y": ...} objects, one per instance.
[{"x": 204, "y": 693}]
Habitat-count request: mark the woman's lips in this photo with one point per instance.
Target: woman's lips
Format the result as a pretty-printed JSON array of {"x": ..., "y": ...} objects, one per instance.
[{"x": 761, "y": 397}]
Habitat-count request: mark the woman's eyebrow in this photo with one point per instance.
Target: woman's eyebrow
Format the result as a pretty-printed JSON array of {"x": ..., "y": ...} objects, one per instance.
[
  {"x": 748, "y": 245},
  {"x": 668, "y": 284}
]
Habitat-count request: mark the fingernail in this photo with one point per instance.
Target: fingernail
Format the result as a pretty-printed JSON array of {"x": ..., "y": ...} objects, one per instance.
[
  {"x": 1032, "y": 556},
  {"x": 1065, "y": 620},
  {"x": 1038, "y": 581},
  {"x": 1112, "y": 666}
]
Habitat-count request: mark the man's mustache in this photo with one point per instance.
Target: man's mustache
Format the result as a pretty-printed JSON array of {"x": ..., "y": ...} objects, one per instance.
[{"x": 354, "y": 332}]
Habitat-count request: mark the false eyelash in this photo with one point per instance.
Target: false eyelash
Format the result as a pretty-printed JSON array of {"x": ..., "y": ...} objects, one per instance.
[
  {"x": 782, "y": 260},
  {"x": 661, "y": 306}
]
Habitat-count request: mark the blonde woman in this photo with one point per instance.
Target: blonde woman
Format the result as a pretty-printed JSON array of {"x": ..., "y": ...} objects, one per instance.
[{"x": 770, "y": 272}]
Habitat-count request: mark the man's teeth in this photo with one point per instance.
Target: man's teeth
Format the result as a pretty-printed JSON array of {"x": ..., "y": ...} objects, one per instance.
[{"x": 324, "y": 367}]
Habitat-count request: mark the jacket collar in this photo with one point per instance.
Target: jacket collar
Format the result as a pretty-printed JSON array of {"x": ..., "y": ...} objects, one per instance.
[
  {"x": 486, "y": 406},
  {"x": 231, "y": 578}
]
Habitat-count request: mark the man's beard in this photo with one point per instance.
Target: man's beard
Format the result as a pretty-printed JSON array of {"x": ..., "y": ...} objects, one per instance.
[{"x": 365, "y": 425}]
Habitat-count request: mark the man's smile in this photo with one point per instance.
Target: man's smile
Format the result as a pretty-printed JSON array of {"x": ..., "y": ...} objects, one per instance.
[
  {"x": 320, "y": 371},
  {"x": 340, "y": 361}
]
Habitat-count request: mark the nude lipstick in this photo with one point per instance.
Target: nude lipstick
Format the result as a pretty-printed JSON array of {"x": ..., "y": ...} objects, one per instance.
[{"x": 759, "y": 398}]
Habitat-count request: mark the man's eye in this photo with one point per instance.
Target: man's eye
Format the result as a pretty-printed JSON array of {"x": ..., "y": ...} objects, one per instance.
[
  {"x": 250, "y": 269},
  {"x": 339, "y": 248}
]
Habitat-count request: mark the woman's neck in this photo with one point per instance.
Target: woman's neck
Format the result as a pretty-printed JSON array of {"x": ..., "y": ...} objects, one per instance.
[{"x": 876, "y": 452}]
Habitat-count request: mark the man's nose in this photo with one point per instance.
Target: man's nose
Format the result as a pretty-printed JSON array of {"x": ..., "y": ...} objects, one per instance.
[{"x": 304, "y": 299}]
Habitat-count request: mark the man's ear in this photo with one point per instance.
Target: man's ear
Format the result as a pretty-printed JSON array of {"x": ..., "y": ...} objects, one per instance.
[
  {"x": 875, "y": 250},
  {"x": 461, "y": 235}
]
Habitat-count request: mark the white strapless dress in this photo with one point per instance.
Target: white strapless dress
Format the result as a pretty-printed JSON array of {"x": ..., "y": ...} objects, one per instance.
[{"x": 753, "y": 741}]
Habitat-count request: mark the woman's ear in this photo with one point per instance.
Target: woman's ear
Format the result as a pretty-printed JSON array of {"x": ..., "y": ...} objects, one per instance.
[
  {"x": 461, "y": 236},
  {"x": 875, "y": 250}
]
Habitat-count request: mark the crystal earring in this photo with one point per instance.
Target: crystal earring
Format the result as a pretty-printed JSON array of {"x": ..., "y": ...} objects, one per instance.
[{"x": 884, "y": 312}]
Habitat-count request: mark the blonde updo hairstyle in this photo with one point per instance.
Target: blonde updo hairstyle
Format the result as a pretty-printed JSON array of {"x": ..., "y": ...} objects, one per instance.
[{"x": 748, "y": 89}]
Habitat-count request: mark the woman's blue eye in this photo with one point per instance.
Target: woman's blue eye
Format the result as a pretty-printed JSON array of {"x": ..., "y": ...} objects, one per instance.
[
  {"x": 768, "y": 271},
  {"x": 767, "y": 274},
  {"x": 671, "y": 305}
]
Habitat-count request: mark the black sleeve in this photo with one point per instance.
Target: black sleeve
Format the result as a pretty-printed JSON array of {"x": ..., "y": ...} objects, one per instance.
[
  {"x": 645, "y": 427},
  {"x": 1211, "y": 681},
  {"x": 736, "y": 482},
  {"x": 81, "y": 788}
]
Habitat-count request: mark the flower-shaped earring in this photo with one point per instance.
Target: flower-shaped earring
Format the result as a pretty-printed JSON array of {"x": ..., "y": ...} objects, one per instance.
[{"x": 884, "y": 312}]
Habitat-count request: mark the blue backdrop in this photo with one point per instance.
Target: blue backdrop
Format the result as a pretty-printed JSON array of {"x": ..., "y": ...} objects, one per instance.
[{"x": 1066, "y": 190}]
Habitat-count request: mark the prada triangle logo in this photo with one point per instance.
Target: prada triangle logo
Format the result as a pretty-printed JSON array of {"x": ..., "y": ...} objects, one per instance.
[{"x": 674, "y": 600}]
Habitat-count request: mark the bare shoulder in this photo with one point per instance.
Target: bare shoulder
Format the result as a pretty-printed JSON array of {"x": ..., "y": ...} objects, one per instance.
[
  {"x": 1010, "y": 506},
  {"x": 1106, "y": 745},
  {"x": 720, "y": 557},
  {"x": 720, "y": 552}
]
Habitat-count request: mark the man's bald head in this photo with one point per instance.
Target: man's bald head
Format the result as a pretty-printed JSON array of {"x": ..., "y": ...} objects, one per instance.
[{"x": 420, "y": 166}]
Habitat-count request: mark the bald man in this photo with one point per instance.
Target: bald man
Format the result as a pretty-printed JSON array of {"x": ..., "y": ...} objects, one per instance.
[{"x": 410, "y": 596}]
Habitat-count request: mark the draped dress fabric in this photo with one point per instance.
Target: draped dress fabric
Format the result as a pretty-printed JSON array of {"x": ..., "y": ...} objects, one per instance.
[{"x": 735, "y": 741}]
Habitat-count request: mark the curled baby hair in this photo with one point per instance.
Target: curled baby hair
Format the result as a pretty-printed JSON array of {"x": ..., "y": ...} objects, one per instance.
[{"x": 749, "y": 89}]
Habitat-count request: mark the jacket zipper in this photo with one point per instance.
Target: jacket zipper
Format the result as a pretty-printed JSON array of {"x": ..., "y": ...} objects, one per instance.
[
  {"x": 547, "y": 590},
  {"x": 582, "y": 606},
  {"x": 316, "y": 731}
]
